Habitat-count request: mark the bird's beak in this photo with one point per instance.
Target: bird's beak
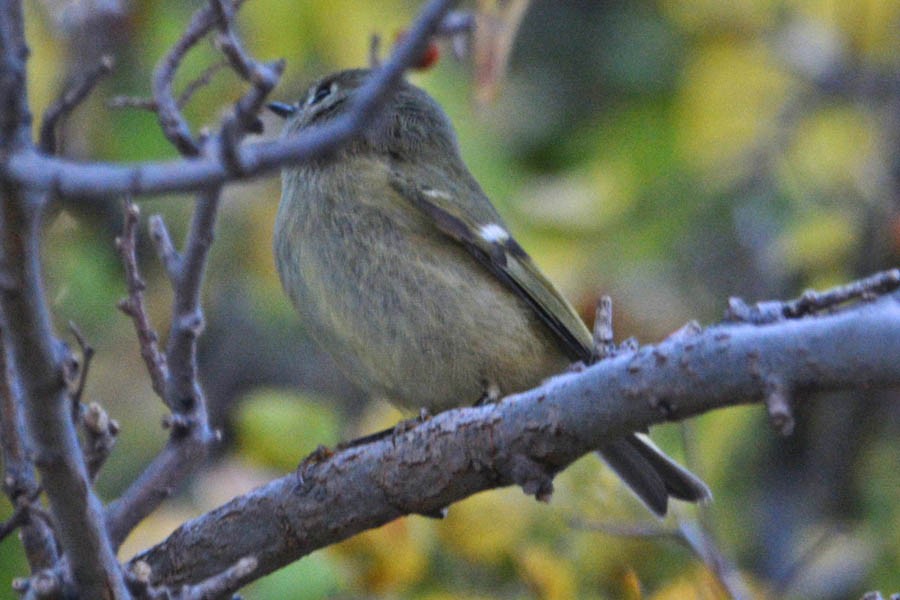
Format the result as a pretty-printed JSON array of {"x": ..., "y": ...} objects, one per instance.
[{"x": 281, "y": 109}]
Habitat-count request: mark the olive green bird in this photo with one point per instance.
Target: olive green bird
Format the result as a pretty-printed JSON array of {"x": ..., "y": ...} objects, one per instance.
[{"x": 402, "y": 269}]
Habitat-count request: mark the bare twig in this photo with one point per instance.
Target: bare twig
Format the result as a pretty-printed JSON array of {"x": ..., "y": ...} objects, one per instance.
[
  {"x": 191, "y": 436},
  {"x": 219, "y": 14},
  {"x": 702, "y": 543},
  {"x": 604, "y": 345},
  {"x": 133, "y": 305},
  {"x": 69, "y": 178},
  {"x": 99, "y": 430},
  {"x": 690, "y": 535},
  {"x": 642, "y": 530},
  {"x": 132, "y": 102},
  {"x": 35, "y": 350},
  {"x": 46, "y": 584},
  {"x": 37, "y": 530},
  {"x": 184, "y": 97},
  {"x": 811, "y": 301},
  {"x": 221, "y": 584},
  {"x": 87, "y": 355},
  {"x": 778, "y": 405},
  {"x": 15, "y": 117},
  {"x": 215, "y": 586},
  {"x": 199, "y": 82},
  {"x": 172, "y": 122},
  {"x": 263, "y": 77},
  {"x": 457, "y": 27},
  {"x": 187, "y": 318},
  {"x": 170, "y": 258},
  {"x": 457, "y": 22},
  {"x": 815, "y": 550},
  {"x": 70, "y": 99},
  {"x": 374, "y": 51}
]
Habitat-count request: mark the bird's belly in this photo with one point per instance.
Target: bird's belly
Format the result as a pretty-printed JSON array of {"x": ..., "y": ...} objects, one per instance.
[{"x": 427, "y": 327}]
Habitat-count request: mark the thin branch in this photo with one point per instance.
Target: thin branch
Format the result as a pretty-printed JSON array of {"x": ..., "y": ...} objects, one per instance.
[
  {"x": 263, "y": 77},
  {"x": 783, "y": 585},
  {"x": 604, "y": 340},
  {"x": 41, "y": 172},
  {"x": 190, "y": 89},
  {"x": 199, "y": 82},
  {"x": 132, "y": 102},
  {"x": 701, "y": 542},
  {"x": 778, "y": 405},
  {"x": 216, "y": 586},
  {"x": 170, "y": 258},
  {"x": 70, "y": 99},
  {"x": 374, "y": 51},
  {"x": 171, "y": 121},
  {"x": 191, "y": 436},
  {"x": 43, "y": 585},
  {"x": 812, "y": 302},
  {"x": 690, "y": 535},
  {"x": 100, "y": 431},
  {"x": 87, "y": 355},
  {"x": 187, "y": 314},
  {"x": 527, "y": 438},
  {"x": 221, "y": 584},
  {"x": 133, "y": 305}
]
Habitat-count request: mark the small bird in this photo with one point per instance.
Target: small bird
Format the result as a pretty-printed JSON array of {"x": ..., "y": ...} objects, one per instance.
[{"x": 404, "y": 271}]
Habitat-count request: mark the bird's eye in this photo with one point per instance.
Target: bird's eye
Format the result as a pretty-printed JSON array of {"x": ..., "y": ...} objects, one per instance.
[{"x": 321, "y": 92}]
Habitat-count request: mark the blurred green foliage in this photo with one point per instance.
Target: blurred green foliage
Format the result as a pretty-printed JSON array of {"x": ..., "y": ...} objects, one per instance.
[{"x": 669, "y": 154}]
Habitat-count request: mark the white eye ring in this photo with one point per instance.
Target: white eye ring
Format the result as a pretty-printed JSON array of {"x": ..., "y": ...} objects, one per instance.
[{"x": 320, "y": 92}]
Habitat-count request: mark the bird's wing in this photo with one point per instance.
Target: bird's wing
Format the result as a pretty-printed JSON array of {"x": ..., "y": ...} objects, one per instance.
[
  {"x": 651, "y": 474},
  {"x": 487, "y": 239}
]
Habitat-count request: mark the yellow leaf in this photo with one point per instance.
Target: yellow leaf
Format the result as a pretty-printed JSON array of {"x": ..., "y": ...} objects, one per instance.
[
  {"x": 820, "y": 241},
  {"x": 551, "y": 576},
  {"x": 834, "y": 149},
  {"x": 487, "y": 528},
  {"x": 729, "y": 103},
  {"x": 390, "y": 557},
  {"x": 279, "y": 428},
  {"x": 706, "y": 15}
]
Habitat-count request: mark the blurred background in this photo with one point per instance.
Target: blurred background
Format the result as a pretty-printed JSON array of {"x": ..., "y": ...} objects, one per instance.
[{"x": 670, "y": 154}]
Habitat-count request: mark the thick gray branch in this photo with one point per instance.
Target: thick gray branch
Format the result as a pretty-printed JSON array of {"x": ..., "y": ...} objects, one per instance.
[
  {"x": 529, "y": 437},
  {"x": 77, "y": 510},
  {"x": 19, "y": 479},
  {"x": 35, "y": 350}
]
